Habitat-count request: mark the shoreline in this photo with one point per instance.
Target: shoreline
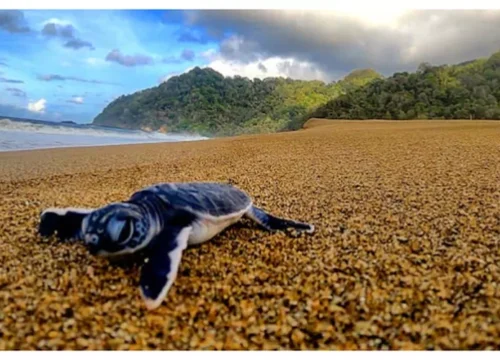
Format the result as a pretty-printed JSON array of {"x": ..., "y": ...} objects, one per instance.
[
  {"x": 313, "y": 122},
  {"x": 27, "y": 134},
  {"x": 99, "y": 145}
]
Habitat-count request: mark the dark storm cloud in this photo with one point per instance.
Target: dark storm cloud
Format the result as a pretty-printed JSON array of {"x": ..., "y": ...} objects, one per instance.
[
  {"x": 452, "y": 36},
  {"x": 128, "y": 60},
  {"x": 13, "y": 21},
  {"x": 336, "y": 43},
  {"x": 67, "y": 33},
  {"x": 55, "y": 77}
]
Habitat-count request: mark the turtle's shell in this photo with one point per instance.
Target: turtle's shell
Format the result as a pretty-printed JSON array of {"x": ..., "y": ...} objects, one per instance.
[{"x": 205, "y": 199}]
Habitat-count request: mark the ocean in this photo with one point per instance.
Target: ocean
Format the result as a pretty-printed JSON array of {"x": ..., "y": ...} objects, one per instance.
[{"x": 25, "y": 134}]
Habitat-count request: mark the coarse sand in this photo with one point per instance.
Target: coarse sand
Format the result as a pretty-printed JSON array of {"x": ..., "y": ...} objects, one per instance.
[{"x": 406, "y": 254}]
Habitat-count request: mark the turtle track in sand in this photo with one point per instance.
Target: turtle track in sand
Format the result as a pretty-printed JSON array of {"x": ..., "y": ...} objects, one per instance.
[{"x": 406, "y": 252}]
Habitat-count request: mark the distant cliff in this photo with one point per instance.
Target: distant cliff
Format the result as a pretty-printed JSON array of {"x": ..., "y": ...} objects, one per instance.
[{"x": 205, "y": 102}]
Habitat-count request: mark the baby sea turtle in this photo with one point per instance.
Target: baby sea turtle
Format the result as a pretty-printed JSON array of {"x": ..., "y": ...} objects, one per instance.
[{"x": 159, "y": 222}]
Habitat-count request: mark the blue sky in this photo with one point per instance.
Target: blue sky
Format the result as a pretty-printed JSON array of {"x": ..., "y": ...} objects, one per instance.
[
  {"x": 122, "y": 52},
  {"x": 68, "y": 65}
]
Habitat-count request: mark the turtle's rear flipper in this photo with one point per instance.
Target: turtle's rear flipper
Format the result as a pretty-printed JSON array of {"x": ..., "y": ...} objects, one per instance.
[
  {"x": 270, "y": 222},
  {"x": 66, "y": 222}
]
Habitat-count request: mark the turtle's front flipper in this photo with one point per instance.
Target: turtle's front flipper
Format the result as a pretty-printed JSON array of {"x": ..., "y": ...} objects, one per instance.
[
  {"x": 161, "y": 264},
  {"x": 66, "y": 221},
  {"x": 270, "y": 222}
]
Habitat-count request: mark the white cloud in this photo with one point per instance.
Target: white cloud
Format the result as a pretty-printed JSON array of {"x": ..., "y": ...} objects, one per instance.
[
  {"x": 95, "y": 61},
  {"x": 261, "y": 69},
  {"x": 271, "y": 67},
  {"x": 57, "y": 22},
  {"x": 76, "y": 100},
  {"x": 209, "y": 54},
  {"x": 37, "y": 106}
]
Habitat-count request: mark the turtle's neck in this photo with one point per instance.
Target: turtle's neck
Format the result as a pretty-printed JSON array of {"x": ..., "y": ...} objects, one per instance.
[{"x": 151, "y": 206}]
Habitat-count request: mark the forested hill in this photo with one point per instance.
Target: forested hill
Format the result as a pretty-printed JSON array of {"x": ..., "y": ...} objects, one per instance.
[
  {"x": 205, "y": 102},
  {"x": 469, "y": 90}
]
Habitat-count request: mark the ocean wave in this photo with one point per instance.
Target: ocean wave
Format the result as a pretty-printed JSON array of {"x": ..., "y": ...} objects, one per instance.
[{"x": 89, "y": 130}]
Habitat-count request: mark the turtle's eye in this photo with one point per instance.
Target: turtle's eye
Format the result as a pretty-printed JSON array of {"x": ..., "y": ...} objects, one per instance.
[
  {"x": 127, "y": 231},
  {"x": 120, "y": 231}
]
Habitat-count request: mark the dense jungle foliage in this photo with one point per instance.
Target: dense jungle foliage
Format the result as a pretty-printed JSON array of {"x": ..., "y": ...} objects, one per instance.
[
  {"x": 469, "y": 90},
  {"x": 205, "y": 102}
]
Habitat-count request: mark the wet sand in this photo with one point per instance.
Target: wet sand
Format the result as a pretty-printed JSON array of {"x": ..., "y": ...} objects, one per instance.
[{"x": 406, "y": 254}]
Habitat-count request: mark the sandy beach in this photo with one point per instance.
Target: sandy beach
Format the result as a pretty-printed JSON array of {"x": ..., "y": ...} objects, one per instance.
[{"x": 405, "y": 256}]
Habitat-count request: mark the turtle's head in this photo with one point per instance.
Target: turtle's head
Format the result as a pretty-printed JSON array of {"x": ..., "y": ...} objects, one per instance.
[{"x": 116, "y": 229}]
